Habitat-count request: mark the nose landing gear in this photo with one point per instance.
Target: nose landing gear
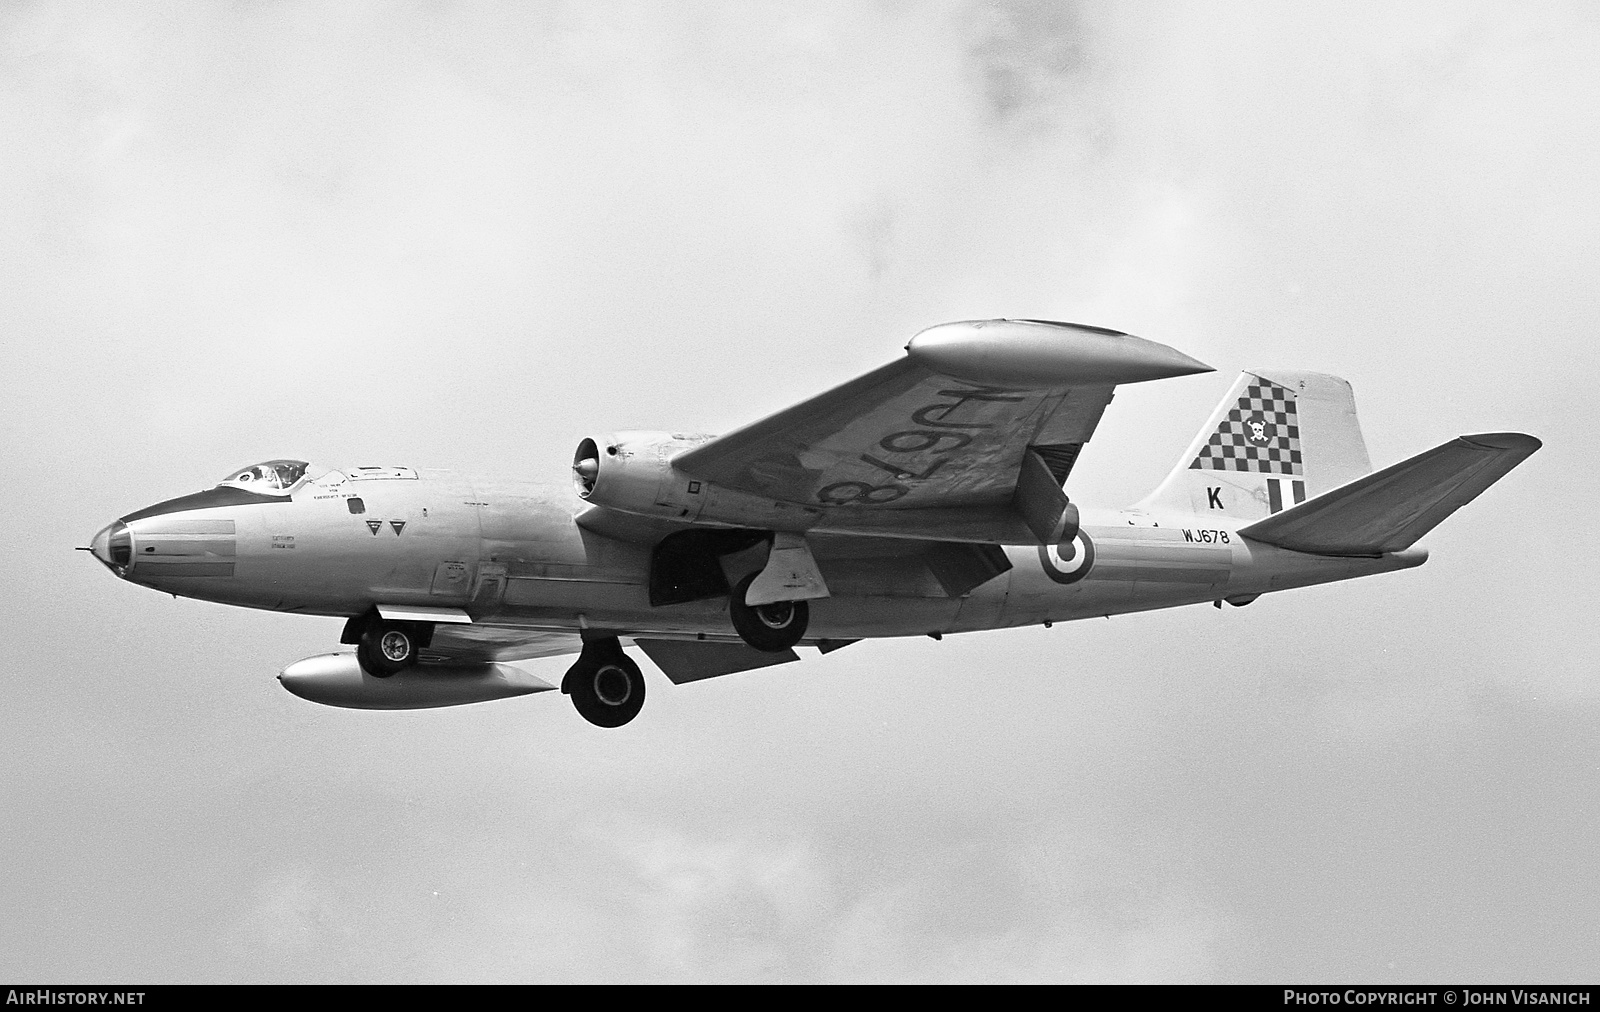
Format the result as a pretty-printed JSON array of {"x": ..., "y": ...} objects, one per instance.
[
  {"x": 385, "y": 652},
  {"x": 383, "y": 647},
  {"x": 605, "y": 684}
]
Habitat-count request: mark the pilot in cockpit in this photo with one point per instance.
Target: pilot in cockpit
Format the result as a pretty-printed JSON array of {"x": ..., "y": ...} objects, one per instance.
[{"x": 271, "y": 474}]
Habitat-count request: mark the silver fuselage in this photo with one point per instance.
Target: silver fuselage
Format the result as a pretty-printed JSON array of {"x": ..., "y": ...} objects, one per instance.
[{"x": 511, "y": 553}]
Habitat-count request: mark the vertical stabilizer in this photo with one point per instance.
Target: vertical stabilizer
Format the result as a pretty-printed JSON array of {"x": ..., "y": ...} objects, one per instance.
[{"x": 1277, "y": 438}]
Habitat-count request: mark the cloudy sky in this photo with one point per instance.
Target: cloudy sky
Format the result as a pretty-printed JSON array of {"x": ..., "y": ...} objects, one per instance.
[{"x": 470, "y": 235}]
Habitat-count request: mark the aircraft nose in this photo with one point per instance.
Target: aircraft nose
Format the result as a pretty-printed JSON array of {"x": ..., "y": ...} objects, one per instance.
[{"x": 113, "y": 545}]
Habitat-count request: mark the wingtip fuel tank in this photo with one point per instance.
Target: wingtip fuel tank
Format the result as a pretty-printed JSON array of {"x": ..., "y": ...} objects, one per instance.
[
  {"x": 1032, "y": 352},
  {"x": 337, "y": 680}
]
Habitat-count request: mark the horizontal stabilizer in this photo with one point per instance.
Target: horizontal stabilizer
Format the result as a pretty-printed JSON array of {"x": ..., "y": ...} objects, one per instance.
[{"x": 1388, "y": 510}]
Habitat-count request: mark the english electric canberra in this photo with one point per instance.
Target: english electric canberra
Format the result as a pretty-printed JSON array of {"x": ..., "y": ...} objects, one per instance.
[{"x": 926, "y": 497}]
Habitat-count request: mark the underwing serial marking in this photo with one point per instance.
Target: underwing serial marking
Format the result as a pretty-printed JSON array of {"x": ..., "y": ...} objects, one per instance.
[{"x": 936, "y": 429}]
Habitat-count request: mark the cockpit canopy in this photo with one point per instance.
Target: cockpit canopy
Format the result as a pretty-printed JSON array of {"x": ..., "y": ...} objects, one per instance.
[{"x": 271, "y": 475}]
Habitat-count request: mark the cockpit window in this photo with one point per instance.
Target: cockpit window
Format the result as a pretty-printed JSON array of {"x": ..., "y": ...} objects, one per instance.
[{"x": 272, "y": 475}]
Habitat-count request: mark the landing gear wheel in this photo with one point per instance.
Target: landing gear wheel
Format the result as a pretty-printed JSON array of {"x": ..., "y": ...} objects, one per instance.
[
  {"x": 387, "y": 649},
  {"x": 772, "y": 628},
  {"x": 606, "y": 686}
]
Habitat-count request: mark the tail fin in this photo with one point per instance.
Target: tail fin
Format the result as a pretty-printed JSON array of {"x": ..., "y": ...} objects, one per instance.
[
  {"x": 1389, "y": 510},
  {"x": 1276, "y": 439}
]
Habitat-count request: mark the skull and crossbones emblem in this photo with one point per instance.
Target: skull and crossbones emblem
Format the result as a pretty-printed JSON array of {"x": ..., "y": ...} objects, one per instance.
[{"x": 1258, "y": 431}]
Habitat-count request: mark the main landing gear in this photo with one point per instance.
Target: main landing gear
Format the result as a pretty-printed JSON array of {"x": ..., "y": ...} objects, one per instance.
[
  {"x": 771, "y": 628},
  {"x": 383, "y": 647},
  {"x": 605, "y": 685}
]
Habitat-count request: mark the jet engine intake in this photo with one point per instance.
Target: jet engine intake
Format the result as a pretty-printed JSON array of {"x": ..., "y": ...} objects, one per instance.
[{"x": 632, "y": 472}]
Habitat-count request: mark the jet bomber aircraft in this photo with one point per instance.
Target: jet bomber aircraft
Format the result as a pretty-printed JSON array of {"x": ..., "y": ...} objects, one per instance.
[{"x": 926, "y": 497}]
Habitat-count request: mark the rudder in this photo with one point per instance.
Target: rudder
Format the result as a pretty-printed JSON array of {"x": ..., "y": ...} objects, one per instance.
[{"x": 1276, "y": 439}]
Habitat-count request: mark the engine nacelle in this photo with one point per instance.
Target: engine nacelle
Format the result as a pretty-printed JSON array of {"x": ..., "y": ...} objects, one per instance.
[{"x": 631, "y": 472}]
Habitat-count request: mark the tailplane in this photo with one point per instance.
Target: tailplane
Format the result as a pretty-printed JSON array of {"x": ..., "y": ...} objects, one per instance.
[
  {"x": 1276, "y": 439},
  {"x": 1389, "y": 510}
]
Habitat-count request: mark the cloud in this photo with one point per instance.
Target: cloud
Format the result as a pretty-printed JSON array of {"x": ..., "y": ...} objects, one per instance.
[
  {"x": 643, "y": 899},
  {"x": 294, "y": 911}
]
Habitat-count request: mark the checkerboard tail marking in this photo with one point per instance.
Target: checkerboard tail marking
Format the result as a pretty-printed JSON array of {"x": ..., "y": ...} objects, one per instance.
[{"x": 1260, "y": 433}]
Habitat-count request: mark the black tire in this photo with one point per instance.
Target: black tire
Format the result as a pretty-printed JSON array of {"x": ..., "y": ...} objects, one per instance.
[
  {"x": 770, "y": 628},
  {"x": 607, "y": 688},
  {"x": 387, "y": 648}
]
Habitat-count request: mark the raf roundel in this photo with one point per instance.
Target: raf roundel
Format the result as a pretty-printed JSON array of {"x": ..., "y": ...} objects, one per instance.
[{"x": 1070, "y": 562}]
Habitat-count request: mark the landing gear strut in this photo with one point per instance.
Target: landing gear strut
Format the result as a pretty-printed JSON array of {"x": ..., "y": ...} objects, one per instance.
[
  {"x": 771, "y": 628},
  {"x": 605, "y": 685}
]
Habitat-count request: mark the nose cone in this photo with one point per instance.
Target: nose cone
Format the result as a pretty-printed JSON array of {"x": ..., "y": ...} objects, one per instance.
[{"x": 113, "y": 545}]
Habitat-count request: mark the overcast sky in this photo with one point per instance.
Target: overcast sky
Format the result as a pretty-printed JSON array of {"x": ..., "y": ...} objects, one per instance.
[{"x": 470, "y": 235}]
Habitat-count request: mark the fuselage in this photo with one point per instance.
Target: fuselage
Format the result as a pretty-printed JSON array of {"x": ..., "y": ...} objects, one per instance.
[{"x": 512, "y": 553}]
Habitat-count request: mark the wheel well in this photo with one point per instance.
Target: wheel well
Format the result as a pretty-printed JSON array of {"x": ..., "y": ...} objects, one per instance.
[{"x": 684, "y": 565}]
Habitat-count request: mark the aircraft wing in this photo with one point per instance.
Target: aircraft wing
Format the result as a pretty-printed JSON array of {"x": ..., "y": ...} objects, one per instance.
[{"x": 948, "y": 426}]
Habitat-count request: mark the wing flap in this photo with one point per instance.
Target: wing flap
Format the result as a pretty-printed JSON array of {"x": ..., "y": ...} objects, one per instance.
[{"x": 1388, "y": 510}]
